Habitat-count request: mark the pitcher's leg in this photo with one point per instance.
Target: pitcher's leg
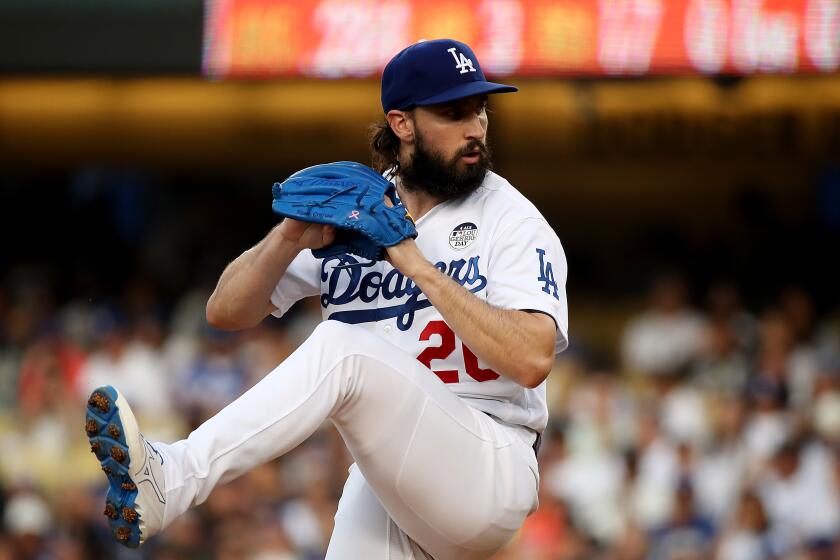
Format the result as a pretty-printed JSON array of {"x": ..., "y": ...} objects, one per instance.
[
  {"x": 447, "y": 474},
  {"x": 452, "y": 478},
  {"x": 270, "y": 419},
  {"x": 363, "y": 528}
]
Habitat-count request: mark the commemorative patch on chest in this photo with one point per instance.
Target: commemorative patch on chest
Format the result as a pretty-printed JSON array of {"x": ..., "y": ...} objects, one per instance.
[{"x": 463, "y": 235}]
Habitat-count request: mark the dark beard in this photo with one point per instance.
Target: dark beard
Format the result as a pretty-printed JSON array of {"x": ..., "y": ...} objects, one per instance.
[{"x": 430, "y": 173}]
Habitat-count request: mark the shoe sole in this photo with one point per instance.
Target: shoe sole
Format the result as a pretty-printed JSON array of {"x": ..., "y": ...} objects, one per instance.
[{"x": 107, "y": 441}]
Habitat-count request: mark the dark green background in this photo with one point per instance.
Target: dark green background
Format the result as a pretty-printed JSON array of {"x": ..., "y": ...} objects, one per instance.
[{"x": 124, "y": 37}]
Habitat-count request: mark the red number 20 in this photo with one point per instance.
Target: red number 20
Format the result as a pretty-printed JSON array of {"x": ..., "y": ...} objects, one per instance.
[{"x": 447, "y": 346}]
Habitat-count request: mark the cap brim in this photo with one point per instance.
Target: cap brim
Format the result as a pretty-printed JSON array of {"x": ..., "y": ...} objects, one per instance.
[{"x": 467, "y": 90}]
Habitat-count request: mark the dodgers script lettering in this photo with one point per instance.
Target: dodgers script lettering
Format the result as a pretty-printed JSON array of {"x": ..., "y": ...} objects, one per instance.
[{"x": 392, "y": 286}]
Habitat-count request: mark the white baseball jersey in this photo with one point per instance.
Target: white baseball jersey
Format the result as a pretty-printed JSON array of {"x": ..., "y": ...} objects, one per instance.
[
  {"x": 469, "y": 501},
  {"x": 494, "y": 243}
]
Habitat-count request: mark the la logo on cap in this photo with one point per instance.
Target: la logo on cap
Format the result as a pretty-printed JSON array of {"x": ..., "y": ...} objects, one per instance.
[{"x": 462, "y": 63}]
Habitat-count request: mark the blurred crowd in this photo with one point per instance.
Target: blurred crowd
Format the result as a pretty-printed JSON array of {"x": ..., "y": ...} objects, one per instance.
[
  {"x": 714, "y": 435},
  {"x": 710, "y": 431}
]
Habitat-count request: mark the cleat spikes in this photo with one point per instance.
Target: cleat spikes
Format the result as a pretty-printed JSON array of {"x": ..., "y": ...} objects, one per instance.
[
  {"x": 129, "y": 514},
  {"x": 122, "y": 534},
  {"x": 100, "y": 401},
  {"x": 117, "y": 454},
  {"x": 91, "y": 427},
  {"x": 114, "y": 437}
]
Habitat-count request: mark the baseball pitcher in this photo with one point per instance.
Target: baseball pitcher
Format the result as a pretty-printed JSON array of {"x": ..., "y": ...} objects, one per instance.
[{"x": 443, "y": 298}]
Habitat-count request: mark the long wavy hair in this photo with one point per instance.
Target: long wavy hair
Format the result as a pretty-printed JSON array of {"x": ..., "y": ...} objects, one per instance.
[{"x": 384, "y": 147}]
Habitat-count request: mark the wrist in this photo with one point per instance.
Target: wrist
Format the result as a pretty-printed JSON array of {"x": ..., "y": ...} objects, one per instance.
[
  {"x": 407, "y": 258},
  {"x": 422, "y": 272}
]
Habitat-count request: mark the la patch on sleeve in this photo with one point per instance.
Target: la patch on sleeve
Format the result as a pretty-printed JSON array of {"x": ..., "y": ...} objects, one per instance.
[{"x": 546, "y": 277}]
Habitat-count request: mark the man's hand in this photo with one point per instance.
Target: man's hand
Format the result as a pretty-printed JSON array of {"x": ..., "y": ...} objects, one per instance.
[
  {"x": 405, "y": 256},
  {"x": 306, "y": 235}
]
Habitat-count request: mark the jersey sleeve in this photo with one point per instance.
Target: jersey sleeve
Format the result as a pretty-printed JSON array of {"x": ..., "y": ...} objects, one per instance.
[
  {"x": 302, "y": 279},
  {"x": 527, "y": 270}
]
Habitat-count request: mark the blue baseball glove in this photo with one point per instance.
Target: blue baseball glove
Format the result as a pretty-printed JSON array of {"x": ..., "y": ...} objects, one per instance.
[{"x": 351, "y": 197}]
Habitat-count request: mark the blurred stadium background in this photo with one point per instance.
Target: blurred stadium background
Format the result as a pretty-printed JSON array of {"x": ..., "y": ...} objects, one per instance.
[{"x": 687, "y": 152}]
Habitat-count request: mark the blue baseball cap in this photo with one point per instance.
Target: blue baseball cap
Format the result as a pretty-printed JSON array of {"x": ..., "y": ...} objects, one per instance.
[{"x": 432, "y": 72}]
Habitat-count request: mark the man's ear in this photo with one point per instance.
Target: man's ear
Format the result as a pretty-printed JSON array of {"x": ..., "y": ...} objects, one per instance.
[{"x": 402, "y": 124}]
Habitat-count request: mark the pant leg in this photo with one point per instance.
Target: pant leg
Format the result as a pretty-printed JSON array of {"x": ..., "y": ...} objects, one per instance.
[
  {"x": 453, "y": 479},
  {"x": 363, "y": 528}
]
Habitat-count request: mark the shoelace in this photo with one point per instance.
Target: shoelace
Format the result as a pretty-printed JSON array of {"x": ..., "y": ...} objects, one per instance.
[
  {"x": 354, "y": 264},
  {"x": 320, "y": 203}
]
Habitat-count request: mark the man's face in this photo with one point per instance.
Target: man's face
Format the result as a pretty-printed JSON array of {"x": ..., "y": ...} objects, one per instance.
[{"x": 450, "y": 156}]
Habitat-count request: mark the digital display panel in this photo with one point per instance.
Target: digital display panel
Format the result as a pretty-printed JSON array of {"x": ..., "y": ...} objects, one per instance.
[{"x": 355, "y": 38}]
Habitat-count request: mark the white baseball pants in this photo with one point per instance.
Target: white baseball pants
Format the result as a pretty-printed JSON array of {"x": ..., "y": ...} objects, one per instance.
[{"x": 432, "y": 473}]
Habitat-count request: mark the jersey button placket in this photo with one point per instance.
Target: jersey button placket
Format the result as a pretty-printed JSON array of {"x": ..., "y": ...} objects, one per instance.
[{"x": 381, "y": 301}]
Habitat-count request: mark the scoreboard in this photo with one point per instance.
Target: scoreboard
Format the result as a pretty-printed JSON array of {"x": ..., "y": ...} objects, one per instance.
[{"x": 355, "y": 38}]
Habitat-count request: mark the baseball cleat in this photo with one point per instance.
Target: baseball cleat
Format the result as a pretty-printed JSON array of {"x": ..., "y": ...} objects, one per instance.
[{"x": 135, "y": 502}]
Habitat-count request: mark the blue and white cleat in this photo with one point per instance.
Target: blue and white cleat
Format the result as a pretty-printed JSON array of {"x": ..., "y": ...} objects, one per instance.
[{"x": 135, "y": 502}]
